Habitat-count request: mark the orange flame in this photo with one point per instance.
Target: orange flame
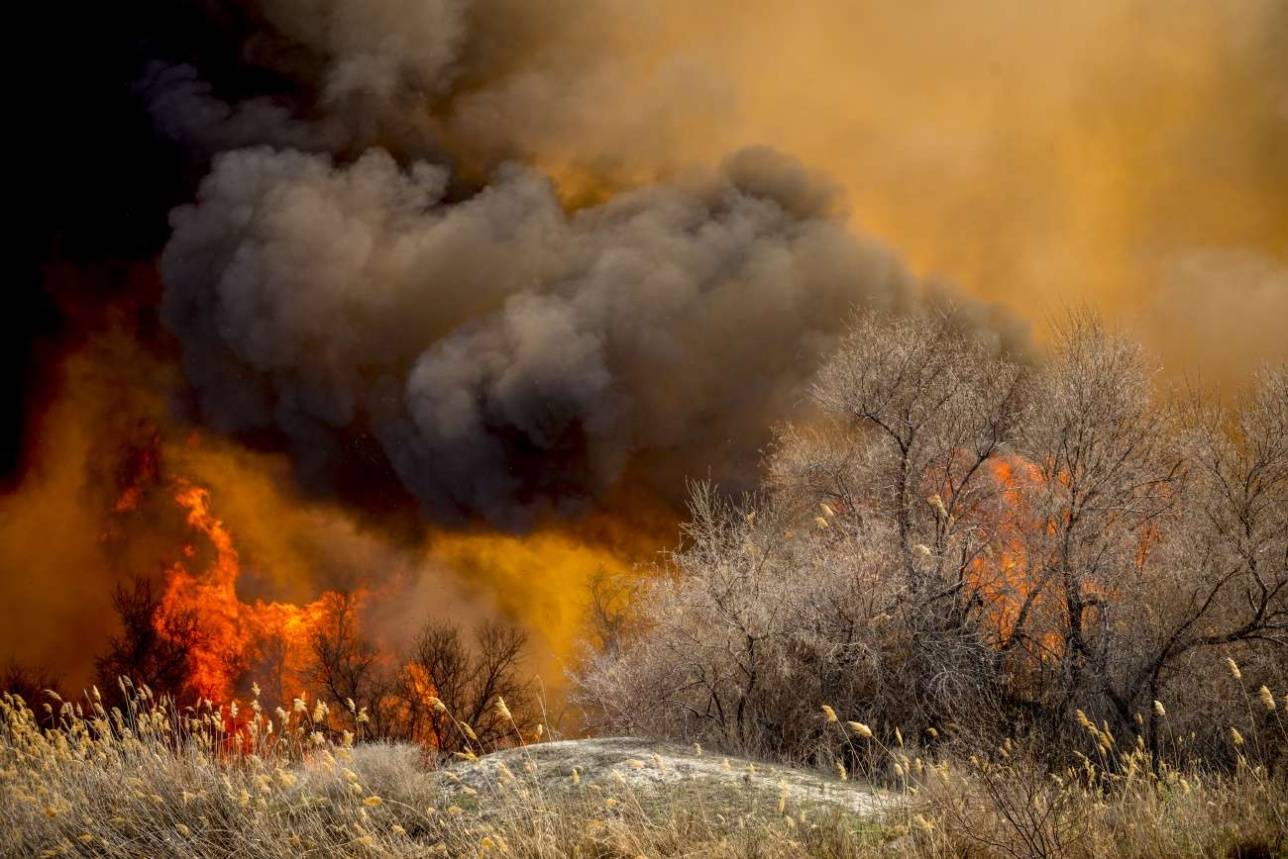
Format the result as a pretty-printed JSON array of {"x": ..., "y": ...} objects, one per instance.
[
  {"x": 422, "y": 686},
  {"x": 231, "y": 631},
  {"x": 1004, "y": 575},
  {"x": 1008, "y": 577}
]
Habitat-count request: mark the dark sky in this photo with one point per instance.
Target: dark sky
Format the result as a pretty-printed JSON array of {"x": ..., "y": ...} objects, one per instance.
[{"x": 94, "y": 181}]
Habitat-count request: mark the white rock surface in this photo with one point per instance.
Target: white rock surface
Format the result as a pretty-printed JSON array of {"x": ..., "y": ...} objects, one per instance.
[{"x": 644, "y": 768}]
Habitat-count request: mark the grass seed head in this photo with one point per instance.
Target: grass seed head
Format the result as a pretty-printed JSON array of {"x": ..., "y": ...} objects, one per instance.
[{"x": 861, "y": 729}]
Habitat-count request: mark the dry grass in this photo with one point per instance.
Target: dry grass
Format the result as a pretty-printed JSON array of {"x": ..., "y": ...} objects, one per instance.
[
  {"x": 1005, "y": 807},
  {"x": 152, "y": 782}
]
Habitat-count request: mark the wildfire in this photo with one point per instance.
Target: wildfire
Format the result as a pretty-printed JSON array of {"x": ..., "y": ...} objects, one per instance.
[
  {"x": 1013, "y": 574},
  {"x": 422, "y": 686},
  {"x": 1004, "y": 575},
  {"x": 230, "y": 634}
]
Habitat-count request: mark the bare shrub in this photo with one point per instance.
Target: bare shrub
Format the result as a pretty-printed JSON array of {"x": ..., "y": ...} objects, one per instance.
[
  {"x": 348, "y": 670},
  {"x": 612, "y": 620},
  {"x": 468, "y": 678}
]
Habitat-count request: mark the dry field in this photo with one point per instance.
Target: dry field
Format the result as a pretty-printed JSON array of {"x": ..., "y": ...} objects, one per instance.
[{"x": 150, "y": 781}]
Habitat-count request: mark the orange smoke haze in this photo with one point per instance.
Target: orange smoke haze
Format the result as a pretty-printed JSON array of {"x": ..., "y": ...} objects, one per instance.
[
  {"x": 1131, "y": 155},
  {"x": 68, "y": 532},
  {"x": 118, "y": 488}
]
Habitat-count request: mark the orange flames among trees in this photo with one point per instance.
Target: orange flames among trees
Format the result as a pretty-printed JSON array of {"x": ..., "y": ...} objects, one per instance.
[
  {"x": 233, "y": 633},
  {"x": 1004, "y": 574},
  {"x": 1012, "y": 575},
  {"x": 235, "y": 636}
]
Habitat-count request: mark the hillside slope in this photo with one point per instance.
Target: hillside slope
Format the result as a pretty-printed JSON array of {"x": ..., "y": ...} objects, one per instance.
[{"x": 650, "y": 771}]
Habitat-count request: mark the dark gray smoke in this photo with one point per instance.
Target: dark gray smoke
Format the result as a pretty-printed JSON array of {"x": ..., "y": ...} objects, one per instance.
[
  {"x": 497, "y": 354},
  {"x": 509, "y": 356}
]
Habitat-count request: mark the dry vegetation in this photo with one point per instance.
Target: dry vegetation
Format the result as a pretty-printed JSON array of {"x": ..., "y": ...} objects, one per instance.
[
  {"x": 961, "y": 537},
  {"x": 148, "y": 781},
  {"x": 1042, "y": 605}
]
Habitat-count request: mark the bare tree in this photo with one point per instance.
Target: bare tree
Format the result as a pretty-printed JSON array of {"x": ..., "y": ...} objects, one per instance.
[
  {"x": 442, "y": 693},
  {"x": 960, "y": 536},
  {"x": 347, "y": 668},
  {"x": 1218, "y": 568},
  {"x": 468, "y": 678},
  {"x": 919, "y": 409},
  {"x": 1104, "y": 472},
  {"x": 922, "y": 415},
  {"x": 611, "y": 597},
  {"x": 150, "y": 648}
]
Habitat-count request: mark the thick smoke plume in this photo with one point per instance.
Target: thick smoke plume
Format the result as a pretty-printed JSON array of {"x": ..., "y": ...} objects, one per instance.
[
  {"x": 507, "y": 342},
  {"x": 510, "y": 356}
]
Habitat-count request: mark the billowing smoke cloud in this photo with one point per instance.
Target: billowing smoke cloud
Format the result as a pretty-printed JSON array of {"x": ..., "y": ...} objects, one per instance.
[
  {"x": 433, "y": 323},
  {"x": 509, "y": 356},
  {"x": 408, "y": 273}
]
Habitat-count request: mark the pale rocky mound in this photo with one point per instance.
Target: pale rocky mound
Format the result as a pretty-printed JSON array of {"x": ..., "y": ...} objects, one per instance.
[{"x": 643, "y": 771}]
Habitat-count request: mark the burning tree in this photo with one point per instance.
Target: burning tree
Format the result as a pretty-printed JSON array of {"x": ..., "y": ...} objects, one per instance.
[{"x": 965, "y": 536}]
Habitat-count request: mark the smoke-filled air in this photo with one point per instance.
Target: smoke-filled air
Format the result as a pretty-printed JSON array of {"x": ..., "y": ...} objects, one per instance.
[
  {"x": 509, "y": 357},
  {"x": 890, "y": 395}
]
